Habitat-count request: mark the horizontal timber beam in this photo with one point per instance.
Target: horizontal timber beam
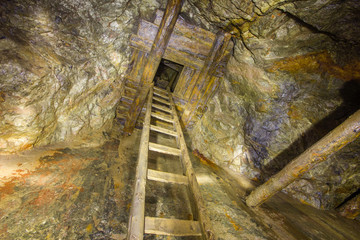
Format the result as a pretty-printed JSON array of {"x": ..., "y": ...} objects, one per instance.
[
  {"x": 338, "y": 138},
  {"x": 172, "y": 54}
]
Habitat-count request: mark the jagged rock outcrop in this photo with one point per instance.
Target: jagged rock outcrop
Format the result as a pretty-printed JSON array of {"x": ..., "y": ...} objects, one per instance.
[
  {"x": 62, "y": 65},
  {"x": 293, "y": 77}
]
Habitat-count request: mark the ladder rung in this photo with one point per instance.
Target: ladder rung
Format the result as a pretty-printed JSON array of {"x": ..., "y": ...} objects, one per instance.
[
  {"x": 161, "y": 100},
  {"x": 163, "y": 130},
  {"x": 161, "y": 95},
  {"x": 128, "y": 98},
  {"x": 166, "y": 177},
  {"x": 164, "y": 149},
  {"x": 172, "y": 227},
  {"x": 160, "y": 90},
  {"x": 130, "y": 88},
  {"x": 165, "y": 109},
  {"x": 162, "y": 117}
]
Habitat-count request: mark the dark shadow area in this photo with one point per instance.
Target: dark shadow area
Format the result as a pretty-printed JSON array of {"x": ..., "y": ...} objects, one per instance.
[
  {"x": 350, "y": 93},
  {"x": 167, "y": 75},
  {"x": 349, "y": 198}
]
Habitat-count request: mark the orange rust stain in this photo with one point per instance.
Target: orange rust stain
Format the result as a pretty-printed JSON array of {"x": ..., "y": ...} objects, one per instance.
[
  {"x": 294, "y": 113},
  {"x": 235, "y": 226},
  {"x": 89, "y": 228},
  {"x": 318, "y": 62},
  {"x": 3, "y": 229},
  {"x": 26, "y": 147},
  {"x": 45, "y": 197},
  {"x": 8, "y": 188},
  {"x": 204, "y": 160}
]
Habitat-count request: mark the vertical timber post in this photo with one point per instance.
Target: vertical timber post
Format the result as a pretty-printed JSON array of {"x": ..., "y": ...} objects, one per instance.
[
  {"x": 211, "y": 62},
  {"x": 161, "y": 40},
  {"x": 335, "y": 140}
]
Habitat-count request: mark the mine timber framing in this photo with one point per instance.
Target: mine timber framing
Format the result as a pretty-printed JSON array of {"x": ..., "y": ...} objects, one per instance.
[
  {"x": 188, "y": 45},
  {"x": 335, "y": 140},
  {"x": 208, "y": 70},
  {"x": 153, "y": 60},
  {"x": 139, "y": 224}
]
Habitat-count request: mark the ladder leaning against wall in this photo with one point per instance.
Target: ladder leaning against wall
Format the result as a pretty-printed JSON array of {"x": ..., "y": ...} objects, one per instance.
[{"x": 139, "y": 224}]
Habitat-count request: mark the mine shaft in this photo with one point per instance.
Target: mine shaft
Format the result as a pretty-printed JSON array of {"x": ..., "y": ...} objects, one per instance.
[{"x": 180, "y": 119}]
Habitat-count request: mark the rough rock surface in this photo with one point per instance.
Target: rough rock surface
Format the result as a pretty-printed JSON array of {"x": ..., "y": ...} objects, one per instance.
[
  {"x": 62, "y": 65},
  {"x": 293, "y": 77}
]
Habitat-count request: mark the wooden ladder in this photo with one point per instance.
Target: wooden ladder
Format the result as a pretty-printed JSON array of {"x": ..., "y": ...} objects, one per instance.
[{"x": 139, "y": 224}]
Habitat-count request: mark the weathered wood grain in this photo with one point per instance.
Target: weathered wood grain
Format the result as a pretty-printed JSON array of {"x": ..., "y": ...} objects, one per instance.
[
  {"x": 137, "y": 213},
  {"x": 338, "y": 138},
  {"x": 211, "y": 63},
  {"x": 161, "y": 40}
]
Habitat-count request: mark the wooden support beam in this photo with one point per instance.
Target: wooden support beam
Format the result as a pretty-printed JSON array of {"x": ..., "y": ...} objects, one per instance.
[
  {"x": 342, "y": 135},
  {"x": 137, "y": 213},
  {"x": 161, "y": 40},
  {"x": 172, "y": 227},
  {"x": 211, "y": 62}
]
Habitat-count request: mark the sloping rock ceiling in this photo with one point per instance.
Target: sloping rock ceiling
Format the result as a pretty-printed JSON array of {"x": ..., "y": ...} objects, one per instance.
[{"x": 293, "y": 76}]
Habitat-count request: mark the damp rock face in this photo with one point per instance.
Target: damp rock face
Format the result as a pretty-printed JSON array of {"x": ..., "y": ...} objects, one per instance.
[
  {"x": 293, "y": 77},
  {"x": 62, "y": 64}
]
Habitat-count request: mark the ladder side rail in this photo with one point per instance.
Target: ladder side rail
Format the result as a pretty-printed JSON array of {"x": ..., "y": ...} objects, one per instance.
[
  {"x": 137, "y": 213},
  {"x": 204, "y": 219}
]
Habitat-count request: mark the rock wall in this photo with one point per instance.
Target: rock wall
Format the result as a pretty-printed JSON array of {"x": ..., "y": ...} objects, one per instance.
[
  {"x": 293, "y": 77},
  {"x": 62, "y": 64}
]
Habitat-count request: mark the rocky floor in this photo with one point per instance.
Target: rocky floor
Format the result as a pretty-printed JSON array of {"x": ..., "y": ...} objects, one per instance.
[{"x": 62, "y": 192}]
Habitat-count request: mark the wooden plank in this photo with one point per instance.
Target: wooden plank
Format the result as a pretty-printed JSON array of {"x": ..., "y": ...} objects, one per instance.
[
  {"x": 184, "y": 78},
  {"x": 338, "y": 138},
  {"x": 191, "y": 85},
  {"x": 183, "y": 58},
  {"x": 166, "y": 177},
  {"x": 161, "y": 95},
  {"x": 164, "y": 149},
  {"x": 159, "y": 44},
  {"x": 137, "y": 212},
  {"x": 212, "y": 61},
  {"x": 163, "y": 130},
  {"x": 172, "y": 227},
  {"x": 179, "y": 41},
  {"x": 161, "y": 100},
  {"x": 162, "y": 108},
  {"x": 136, "y": 63},
  {"x": 205, "y": 223},
  {"x": 162, "y": 117}
]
